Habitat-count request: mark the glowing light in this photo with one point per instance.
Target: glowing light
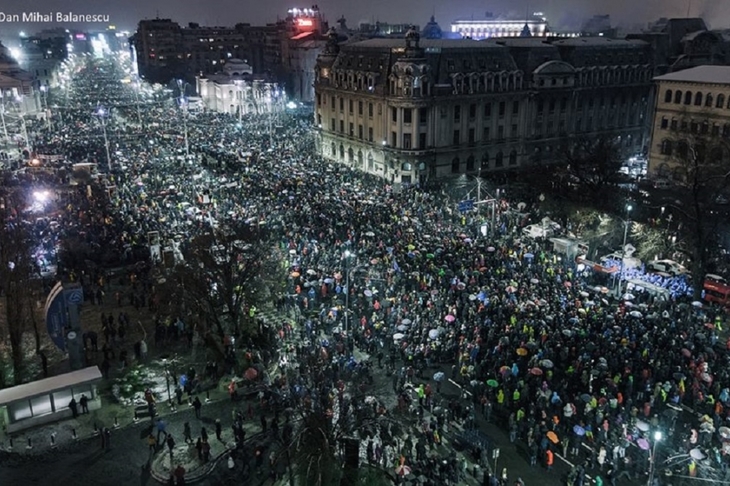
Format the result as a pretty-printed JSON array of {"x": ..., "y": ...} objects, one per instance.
[
  {"x": 291, "y": 105},
  {"x": 41, "y": 196},
  {"x": 305, "y": 22}
]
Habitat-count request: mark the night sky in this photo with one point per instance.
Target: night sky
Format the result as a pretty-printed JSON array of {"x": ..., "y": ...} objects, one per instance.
[{"x": 562, "y": 14}]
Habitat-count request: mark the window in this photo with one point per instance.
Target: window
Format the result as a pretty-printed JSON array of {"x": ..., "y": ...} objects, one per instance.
[
  {"x": 455, "y": 165},
  {"x": 673, "y": 125},
  {"x": 501, "y": 108},
  {"x": 698, "y": 99},
  {"x": 472, "y": 111},
  {"x": 394, "y": 115},
  {"x": 20, "y": 410},
  {"x": 564, "y": 104},
  {"x": 332, "y": 124},
  {"x": 370, "y": 134},
  {"x": 342, "y": 104},
  {"x": 677, "y": 97},
  {"x": 472, "y": 136},
  {"x": 499, "y": 160},
  {"x": 688, "y": 98},
  {"x": 351, "y": 106},
  {"x": 551, "y": 108},
  {"x": 705, "y": 128},
  {"x": 487, "y": 110},
  {"x": 485, "y": 134},
  {"x": 407, "y": 141},
  {"x": 500, "y": 132},
  {"x": 726, "y": 130},
  {"x": 720, "y": 101},
  {"x": 352, "y": 129},
  {"x": 359, "y": 108},
  {"x": 393, "y": 139},
  {"x": 360, "y": 131},
  {"x": 708, "y": 100},
  {"x": 485, "y": 160},
  {"x": 682, "y": 149},
  {"x": 62, "y": 398},
  {"x": 423, "y": 115},
  {"x": 470, "y": 164},
  {"x": 421, "y": 140},
  {"x": 407, "y": 115},
  {"x": 370, "y": 110},
  {"x": 405, "y": 166},
  {"x": 342, "y": 126},
  {"x": 457, "y": 138},
  {"x": 540, "y": 107},
  {"x": 457, "y": 113},
  {"x": 513, "y": 158},
  {"x": 42, "y": 405},
  {"x": 513, "y": 129},
  {"x": 515, "y": 107},
  {"x": 668, "y": 96},
  {"x": 319, "y": 99},
  {"x": 665, "y": 122},
  {"x": 342, "y": 152}
]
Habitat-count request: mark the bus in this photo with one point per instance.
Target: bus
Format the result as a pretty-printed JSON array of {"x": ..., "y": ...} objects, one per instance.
[{"x": 717, "y": 293}]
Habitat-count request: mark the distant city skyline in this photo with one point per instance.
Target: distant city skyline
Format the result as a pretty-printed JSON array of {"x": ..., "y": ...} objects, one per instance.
[{"x": 562, "y": 14}]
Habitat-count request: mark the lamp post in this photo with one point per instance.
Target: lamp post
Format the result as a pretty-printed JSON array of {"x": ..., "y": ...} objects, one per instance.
[
  {"x": 101, "y": 113},
  {"x": 652, "y": 463},
  {"x": 627, "y": 223}
]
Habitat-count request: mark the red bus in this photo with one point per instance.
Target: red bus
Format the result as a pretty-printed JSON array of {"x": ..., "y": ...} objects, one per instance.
[{"x": 717, "y": 293}]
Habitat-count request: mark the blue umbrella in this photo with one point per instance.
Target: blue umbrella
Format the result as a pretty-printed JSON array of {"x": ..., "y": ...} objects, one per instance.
[
  {"x": 580, "y": 431},
  {"x": 440, "y": 376},
  {"x": 529, "y": 256}
]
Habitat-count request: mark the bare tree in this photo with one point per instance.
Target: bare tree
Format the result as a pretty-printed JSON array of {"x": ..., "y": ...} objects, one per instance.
[{"x": 699, "y": 160}]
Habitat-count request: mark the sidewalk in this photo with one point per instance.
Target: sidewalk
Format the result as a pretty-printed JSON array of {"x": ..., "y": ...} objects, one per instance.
[{"x": 186, "y": 455}]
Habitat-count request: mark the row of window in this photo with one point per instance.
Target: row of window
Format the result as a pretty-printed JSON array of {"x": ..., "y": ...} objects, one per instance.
[
  {"x": 679, "y": 97},
  {"x": 681, "y": 148},
  {"x": 696, "y": 127},
  {"x": 470, "y": 162}
]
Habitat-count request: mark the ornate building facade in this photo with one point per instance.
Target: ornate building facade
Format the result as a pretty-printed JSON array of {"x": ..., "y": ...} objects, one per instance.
[
  {"x": 691, "y": 104},
  {"x": 409, "y": 110}
]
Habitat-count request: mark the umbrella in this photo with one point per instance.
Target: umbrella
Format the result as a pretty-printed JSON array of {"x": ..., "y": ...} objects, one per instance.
[
  {"x": 706, "y": 377},
  {"x": 311, "y": 272},
  {"x": 250, "y": 374},
  {"x": 511, "y": 289},
  {"x": 568, "y": 284},
  {"x": 433, "y": 334},
  {"x": 536, "y": 371},
  {"x": 567, "y": 332},
  {"x": 329, "y": 280},
  {"x": 643, "y": 444},
  {"x": 724, "y": 432},
  {"x": 492, "y": 383},
  {"x": 697, "y": 304},
  {"x": 472, "y": 297},
  {"x": 679, "y": 376},
  {"x": 440, "y": 376},
  {"x": 636, "y": 314},
  {"x": 402, "y": 328},
  {"x": 697, "y": 454},
  {"x": 398, "y": 336},
  {"x": 686, "y": 353},
  {"x": 553, "y": 437},
  {"x": 529, "y": 256},
  {"x": 403, "y": 470},
  {"x": 580, "y": 431},
  {"x": 368, "y": 293},
  {"x": 534, "y": 281},
  {"x": 642, "y": 426},
  {"x": 450, "y": 318},
  {"x": 583, "y": 293},
  {"x": 295, "y": 274},
  {"x": 628, "y": 296},
  {"x": 490, "y": 249},
  {"x": 505, "y": 370},
  {"x": 586, "y": 397},
  {"x": 369, "y": 234},
  {"x": 546, "y": 363},
  {"x": 521, "y": 352}
]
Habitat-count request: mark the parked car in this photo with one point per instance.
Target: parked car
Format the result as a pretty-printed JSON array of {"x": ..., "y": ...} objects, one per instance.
[{"x": 666, "y": 266}]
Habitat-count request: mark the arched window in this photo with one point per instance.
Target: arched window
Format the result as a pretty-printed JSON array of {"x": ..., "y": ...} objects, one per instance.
[
  {"x": 687, "y": 97},
  {"x": 708, "y": 100},
  {"x": 677, "y": 97},
  {"x": 682, "y": 148},
  {"x": 359, "y": 158},
  {"x": 720, "y": 103},
  {"x": 455, "y": 165},
  {"x": 666, "y": 148},
  {"x": 499, "y": 160},
  {"x": 470, "y": 164},
  {"x": 698, "y": 99},
  {"x": 334, "y": 150},
  {"x": 350, "y": 155},
  {"x": 371, "y": 162},
  {"x": 668, "y": 96},
  {"x": 513, "y": 158},
  {"x": 406, "y": 167},
  {"x": 342, "y": 152}
]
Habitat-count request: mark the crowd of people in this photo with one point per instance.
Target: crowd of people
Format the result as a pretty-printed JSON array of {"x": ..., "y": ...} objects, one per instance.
[{"x": 393, "y": 271}]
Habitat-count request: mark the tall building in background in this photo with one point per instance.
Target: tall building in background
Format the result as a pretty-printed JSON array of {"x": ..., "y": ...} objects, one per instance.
[
  {"x": 409, "y": 110},
  {"x": 533, "y": 26}
]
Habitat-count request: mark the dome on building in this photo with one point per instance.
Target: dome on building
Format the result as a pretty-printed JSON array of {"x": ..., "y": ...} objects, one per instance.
[
  {"x": 432, "y": 30},
  {"x": 236, "y": 67}
]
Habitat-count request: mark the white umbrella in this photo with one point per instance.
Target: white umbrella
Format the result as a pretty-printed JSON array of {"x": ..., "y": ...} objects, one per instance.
[
  {"x": 628, "y": 296},
  {"x": 433, "y": 334},
  {"x": 406, "y": 322},
  {"x": 398, "y": 336},
  {"x": 642, "y": 426},
  {"x": 583, "y": 293},
  {"x": 402, "y": 328},
  {"x": 636, "y": 314},
  {"x": 697, "y": 304},
  {"x": 311, "y": 272}
]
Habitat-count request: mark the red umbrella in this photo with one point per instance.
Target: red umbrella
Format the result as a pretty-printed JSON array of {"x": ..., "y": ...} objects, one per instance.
[
  {"x": 568, "y": 284},
  {"x": 686, "y": 353},
  {"x": 536, "y": 371},
  {"x": 250, "y": 374}
]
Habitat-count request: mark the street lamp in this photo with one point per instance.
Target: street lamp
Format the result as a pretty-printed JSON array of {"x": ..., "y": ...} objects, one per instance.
[
  {"x": 627, "y": 223},
  {"x": 652, "y": 463},
  {"x": 347, "y": 256},
  {"x": 101, "y": 113}
]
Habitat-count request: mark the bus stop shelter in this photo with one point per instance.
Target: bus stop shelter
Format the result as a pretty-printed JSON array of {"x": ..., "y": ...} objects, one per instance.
[{"x": 46, "y": 401}]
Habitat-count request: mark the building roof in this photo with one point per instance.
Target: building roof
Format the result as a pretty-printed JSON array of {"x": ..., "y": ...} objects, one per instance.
[
  {"x": 49, "y": 385},
  {"x": 599, "y": 41},
  {"x": 699, "y": 74},
  {"x": 424, "y": 43}
]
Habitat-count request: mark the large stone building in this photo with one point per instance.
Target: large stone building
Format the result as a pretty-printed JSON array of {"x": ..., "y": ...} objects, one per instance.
[
  {"x": 409, "y": 110},
  {"x": 690, "y": 104}
]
